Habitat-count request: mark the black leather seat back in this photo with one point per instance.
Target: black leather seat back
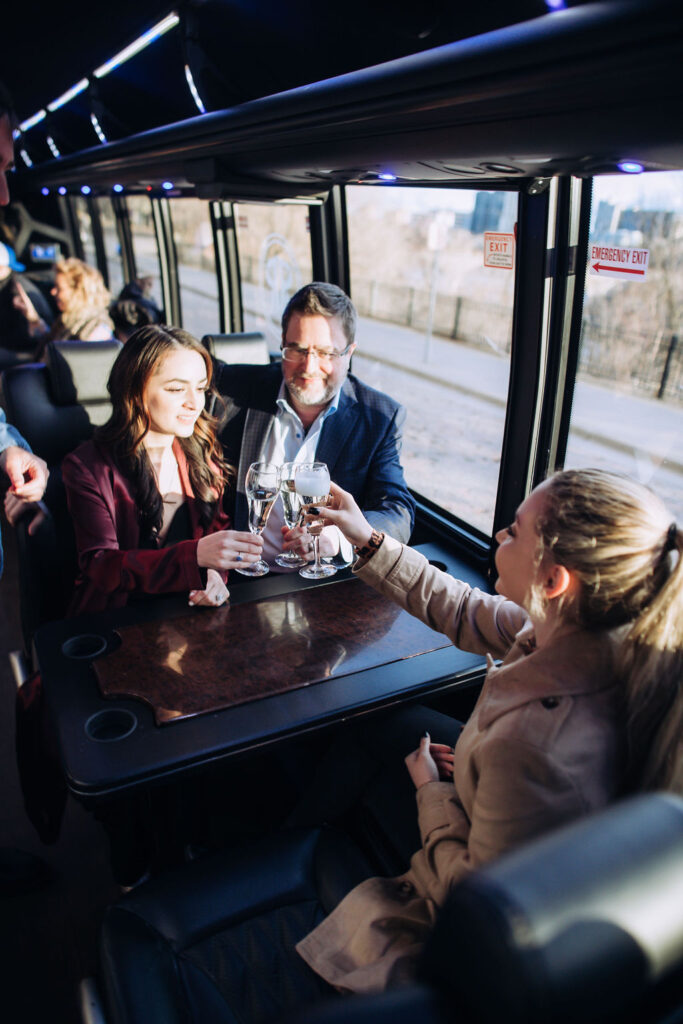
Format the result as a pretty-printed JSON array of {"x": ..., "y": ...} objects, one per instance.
[
  {"x": 52, "y": 430},
  {"x": 578, "y": 926},
  {"x": 245, "y": 347},
  {"x": 79, "y": 371}
]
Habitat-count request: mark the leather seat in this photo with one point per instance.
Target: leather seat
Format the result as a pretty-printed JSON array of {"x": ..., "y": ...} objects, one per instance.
[
  {"x": 214, "y": 941},
  {"x": 583, "y": 925},
  {"x": 55, "y": 406},
  {"x": 243, "y": 347}
]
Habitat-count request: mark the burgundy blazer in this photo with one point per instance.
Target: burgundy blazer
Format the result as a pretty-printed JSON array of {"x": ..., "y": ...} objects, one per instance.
[{"x": 111, "y": 563}]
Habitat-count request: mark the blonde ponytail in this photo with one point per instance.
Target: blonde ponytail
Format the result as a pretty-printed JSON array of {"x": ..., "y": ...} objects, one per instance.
[
  {"x": 652, "y": 662},
  {"x": 617, "y": 539}
]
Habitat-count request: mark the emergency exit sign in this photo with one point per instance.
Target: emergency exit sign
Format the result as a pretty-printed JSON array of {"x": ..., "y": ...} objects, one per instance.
[
  {"x": 499, "y": 250},
  {"x": 612, "y": 261}
]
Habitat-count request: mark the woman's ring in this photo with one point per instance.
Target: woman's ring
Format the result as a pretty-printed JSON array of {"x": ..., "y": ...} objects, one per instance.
[{"x": 238, "y": 557}]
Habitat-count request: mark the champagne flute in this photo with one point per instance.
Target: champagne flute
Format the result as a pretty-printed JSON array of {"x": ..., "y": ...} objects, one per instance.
[
  {"x": 312, "y": 481},
  {"x": 291, "y": 505},
  {"x": 262, "y": 485}
]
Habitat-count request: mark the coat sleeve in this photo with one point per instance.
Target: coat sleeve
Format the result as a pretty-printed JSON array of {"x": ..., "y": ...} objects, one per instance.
[
  {"x": 521, "y": 793},
  {"x": 9, "y": 435},
  {"x": 471, "y": 619},
  {"x": 100, "y": 557},
  {"x": 386, "y": 501}
]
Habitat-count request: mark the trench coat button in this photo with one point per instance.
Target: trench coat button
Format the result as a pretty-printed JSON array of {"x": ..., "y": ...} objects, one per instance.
[{"x": 550, "y": 702}]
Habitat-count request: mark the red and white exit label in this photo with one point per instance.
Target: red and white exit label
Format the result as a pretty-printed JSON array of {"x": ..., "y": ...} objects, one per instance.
[
  {"x": 499, "y": 250},
  {"x": 610, "y": 261}
]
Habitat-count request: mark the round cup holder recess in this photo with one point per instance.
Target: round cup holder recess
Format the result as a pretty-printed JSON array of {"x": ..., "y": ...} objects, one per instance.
[
  {"x": 438, "y": 565},
  {"x": 111, "y": 724},
  {"x": 86, "y": 645}
]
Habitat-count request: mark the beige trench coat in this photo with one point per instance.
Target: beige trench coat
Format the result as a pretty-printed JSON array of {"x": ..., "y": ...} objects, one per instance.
[{"x": 542, "y": 746}]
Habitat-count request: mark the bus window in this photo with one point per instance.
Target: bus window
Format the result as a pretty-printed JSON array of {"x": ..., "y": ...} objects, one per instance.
[
  {"x": 112, "y": 246},
  {"x": 196, "y": 266},
  {"x": 85, "y": 230},
  {"x": 435, "y": 329},
  {"x": 627, "y": 413},
  {"x": 145, "y": 244},
  {"x": 274, "y": 245}
]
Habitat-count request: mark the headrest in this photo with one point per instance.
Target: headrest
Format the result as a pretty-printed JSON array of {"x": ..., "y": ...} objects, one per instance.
[
  {"x": 245, "y": 347},
  {"x": 577, "y": 925},
  {"x": 79, "y": 371}
]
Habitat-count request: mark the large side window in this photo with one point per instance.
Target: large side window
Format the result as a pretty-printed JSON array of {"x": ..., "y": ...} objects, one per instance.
[
  {"x": 627, "y": 413},
  {"x": 435, "y": 311},
  {"x": 196, "y": 266},
  {"x": 145, "y": 244},
  {"x": 112, "y": 247},
  {"x": 275, "y": 260}
]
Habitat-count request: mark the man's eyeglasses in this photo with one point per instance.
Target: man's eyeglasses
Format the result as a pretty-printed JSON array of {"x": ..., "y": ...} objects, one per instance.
[{"x": 296, "y": 354}]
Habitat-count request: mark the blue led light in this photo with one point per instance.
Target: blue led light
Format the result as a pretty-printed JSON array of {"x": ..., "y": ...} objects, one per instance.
[
  {"x": 168, "y": 185},
  {"x": 630, "y": 167},
  {"x": 86, "y": 190},
  {"x": 386, "y": 176},
  {"x": 117, "y": 188},
  {"x": 61, "y": 190},
  {"x": 556, "y": 5},
  {"x": 45, "y": 190}
]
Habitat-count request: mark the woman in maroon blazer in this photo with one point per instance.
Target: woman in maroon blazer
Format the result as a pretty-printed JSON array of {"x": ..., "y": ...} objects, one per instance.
[{"x": 146, "y": 494}]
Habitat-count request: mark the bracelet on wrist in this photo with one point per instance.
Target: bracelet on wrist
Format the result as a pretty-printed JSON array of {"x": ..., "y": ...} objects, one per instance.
[{"x": 373, "y": 544}]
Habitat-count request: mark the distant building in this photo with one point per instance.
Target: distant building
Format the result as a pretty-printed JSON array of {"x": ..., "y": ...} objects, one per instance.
[
  {"x": 486, "y": 215},
  {"x": 606, "y": 218},
  {"x": 648, "y": 222}
]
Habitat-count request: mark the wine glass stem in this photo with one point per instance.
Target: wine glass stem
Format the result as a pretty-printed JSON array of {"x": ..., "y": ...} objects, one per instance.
[{"x": 316, "y": 552}]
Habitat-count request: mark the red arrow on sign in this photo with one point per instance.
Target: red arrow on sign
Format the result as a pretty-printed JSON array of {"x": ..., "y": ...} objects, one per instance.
[{"x": 597, "y": 267}]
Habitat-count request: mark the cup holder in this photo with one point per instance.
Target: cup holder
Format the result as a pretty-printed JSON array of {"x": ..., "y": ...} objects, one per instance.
[
  {"x": 111, "y": 724},
  {"x": 438, "y": 565},
  {"x": 87, "y": 645}
]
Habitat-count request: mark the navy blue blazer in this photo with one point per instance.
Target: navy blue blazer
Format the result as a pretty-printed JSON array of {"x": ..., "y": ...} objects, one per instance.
[{"x": 360, "y": 443}]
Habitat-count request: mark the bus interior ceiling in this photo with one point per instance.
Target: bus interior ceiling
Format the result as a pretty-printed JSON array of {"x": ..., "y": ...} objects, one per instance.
[{"x": 303, "y": 100}]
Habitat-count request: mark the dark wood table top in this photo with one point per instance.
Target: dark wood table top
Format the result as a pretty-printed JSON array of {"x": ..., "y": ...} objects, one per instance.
[
  {"x": 212, "y": 659},
  {"x": 286, "y": 657}
]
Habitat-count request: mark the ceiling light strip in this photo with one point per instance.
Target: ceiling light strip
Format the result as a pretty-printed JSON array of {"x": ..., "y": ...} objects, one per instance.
[{"x": 169, "y": 22}]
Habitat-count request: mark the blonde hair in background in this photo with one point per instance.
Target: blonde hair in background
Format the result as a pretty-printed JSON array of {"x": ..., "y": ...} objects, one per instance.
[
  {"x": 89, "y": 292},
  {"x": 622, "y": 546}
]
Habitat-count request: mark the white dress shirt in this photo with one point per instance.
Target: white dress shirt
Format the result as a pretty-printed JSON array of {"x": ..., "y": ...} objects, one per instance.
[{"x": 288, "y": 441}]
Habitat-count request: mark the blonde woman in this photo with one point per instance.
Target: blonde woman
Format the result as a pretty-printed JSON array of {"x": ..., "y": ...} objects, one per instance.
[
  {"x": 83, "y": 303},
  {"x": 585, "y": 706}
]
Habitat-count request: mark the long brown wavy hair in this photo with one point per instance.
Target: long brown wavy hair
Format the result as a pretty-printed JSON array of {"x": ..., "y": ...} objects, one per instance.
[{"x": 123, "y": 433}]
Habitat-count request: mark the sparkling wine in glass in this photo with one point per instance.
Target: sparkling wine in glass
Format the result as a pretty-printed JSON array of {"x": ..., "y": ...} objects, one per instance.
[
  {"x": 291, "y": 506},
  {"x": 262, "y": 485},
  {"x": 312, "y": 480}
]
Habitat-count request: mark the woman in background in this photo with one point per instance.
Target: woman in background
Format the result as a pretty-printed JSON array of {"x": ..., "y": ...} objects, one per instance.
[{"x": 82, "y": 301}]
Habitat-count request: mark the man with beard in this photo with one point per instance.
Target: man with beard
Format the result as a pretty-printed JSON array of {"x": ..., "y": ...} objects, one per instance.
[{"x": 308, "y": 407}]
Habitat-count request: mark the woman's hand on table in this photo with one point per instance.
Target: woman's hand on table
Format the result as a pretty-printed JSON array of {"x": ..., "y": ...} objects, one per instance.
[
  {"x": 421, "y": 765},
  {"x": 228, "y": 549},
  {"x": 215, "y": 594},
  {"x": 343, "y": 512},
  {"x": 300, "y": 541}
]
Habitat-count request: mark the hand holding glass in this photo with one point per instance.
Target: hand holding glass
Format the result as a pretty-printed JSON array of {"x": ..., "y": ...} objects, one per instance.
[
  {"x": 261, "y": 485},
  {"x": 312, "y": 481},
  {"x": 291, "y": 506}
]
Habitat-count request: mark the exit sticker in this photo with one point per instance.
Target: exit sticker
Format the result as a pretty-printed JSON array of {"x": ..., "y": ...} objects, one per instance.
[
  {"x": 612, "y": 261},
  {"x": 499, "y": 250}
]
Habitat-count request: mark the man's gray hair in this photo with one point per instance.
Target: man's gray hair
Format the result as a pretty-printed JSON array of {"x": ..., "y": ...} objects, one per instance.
[{"x": 321, "y": 299}]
